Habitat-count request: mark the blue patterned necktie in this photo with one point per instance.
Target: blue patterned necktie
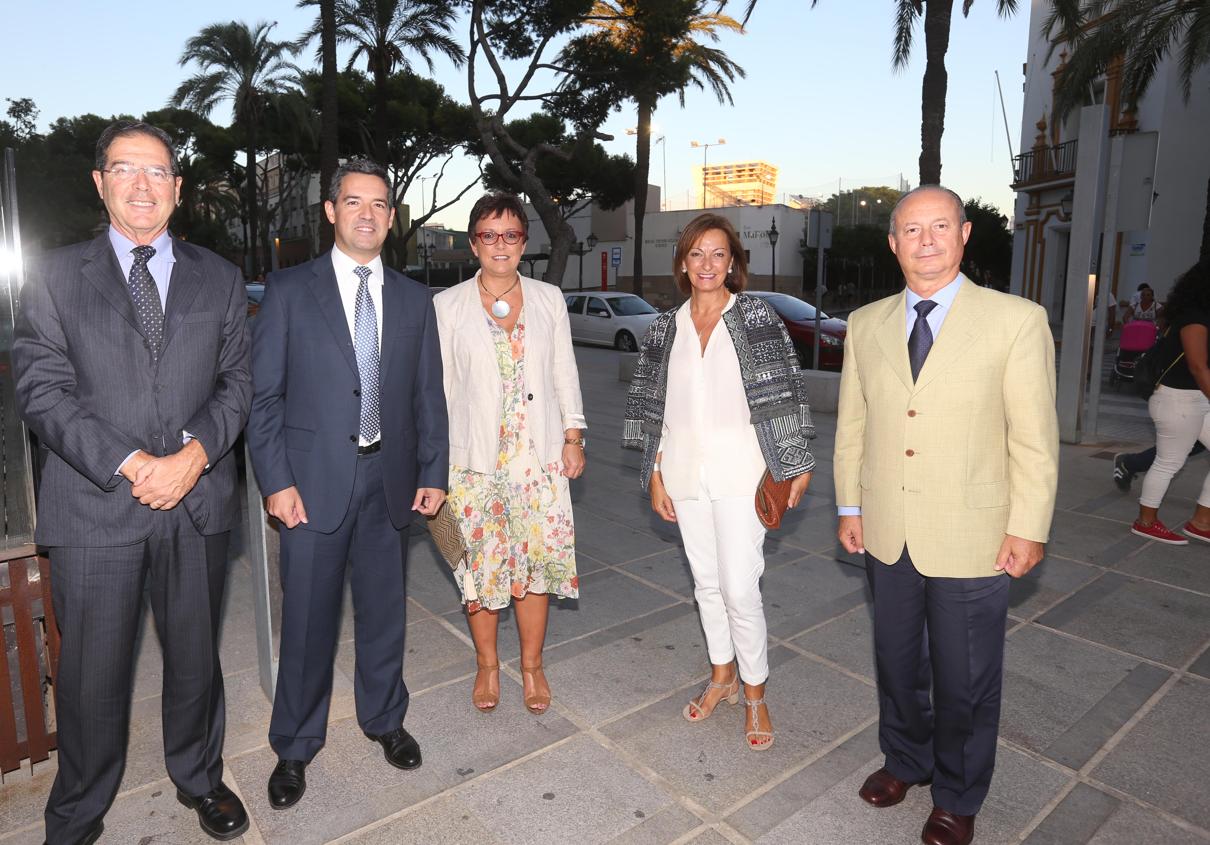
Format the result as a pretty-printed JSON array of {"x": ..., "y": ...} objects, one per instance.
[
  {"x": 921, "y": 340},
  {"x": 147, "y": 300},
  {"x": 365, "y": 342}
]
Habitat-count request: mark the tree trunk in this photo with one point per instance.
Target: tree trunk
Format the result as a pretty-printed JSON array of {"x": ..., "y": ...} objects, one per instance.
[
  {"x": 381, "y": 103},
  {"x": 329, "y": 153},
  {"x": 642, "y": 158},
  {"x": 937, "y": 17},
  {"x": 250, "y": 191}
]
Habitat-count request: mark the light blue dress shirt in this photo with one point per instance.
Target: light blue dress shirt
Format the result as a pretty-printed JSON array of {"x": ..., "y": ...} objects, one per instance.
[
  {"x": 945, "y": 301},
  {"x": 160, "y": 265}
]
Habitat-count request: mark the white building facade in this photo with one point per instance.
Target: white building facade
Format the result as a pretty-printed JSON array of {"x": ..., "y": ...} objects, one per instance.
[{"x": 1144, "y": 185}]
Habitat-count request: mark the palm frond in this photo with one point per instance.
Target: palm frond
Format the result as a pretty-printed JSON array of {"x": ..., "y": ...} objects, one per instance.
[{"x": 906, "y": 14}]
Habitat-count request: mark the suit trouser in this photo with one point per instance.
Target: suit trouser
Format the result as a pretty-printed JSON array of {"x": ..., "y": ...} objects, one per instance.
[
  {"x": 943, "y": 636},
  {"x": 98, "y": 598},
  {"x": 724, "y": 542},
  {"x": 312, "y": 577}
]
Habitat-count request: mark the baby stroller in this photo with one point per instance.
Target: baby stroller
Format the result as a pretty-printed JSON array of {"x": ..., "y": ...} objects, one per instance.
[{"x": 1137, "y": 337}]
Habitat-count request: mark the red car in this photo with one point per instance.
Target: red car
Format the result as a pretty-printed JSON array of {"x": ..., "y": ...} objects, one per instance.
[{"x": 799, "y": 318}]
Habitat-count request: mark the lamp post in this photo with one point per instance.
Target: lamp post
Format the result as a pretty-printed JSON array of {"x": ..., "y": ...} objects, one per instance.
[
  {"x": 705, "y": 151},
  {"x": 425, "y": 251},
  {"x": 580, "y": 250},
  {"x": 773, "y": 236}
]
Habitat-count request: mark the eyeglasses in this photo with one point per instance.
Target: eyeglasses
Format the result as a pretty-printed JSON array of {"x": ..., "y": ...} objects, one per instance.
[
  {"x": 154, "y": 173},
  {"x": 510, "y": 237}
]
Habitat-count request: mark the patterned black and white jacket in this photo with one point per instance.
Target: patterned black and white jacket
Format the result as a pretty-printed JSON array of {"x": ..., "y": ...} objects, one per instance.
[{"x": 773, "y": 383}]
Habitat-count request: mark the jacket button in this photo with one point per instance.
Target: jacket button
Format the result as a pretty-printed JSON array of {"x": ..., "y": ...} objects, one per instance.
[
  {"x": 352, "y": 438},
  {"x": 356, "y": 391},
  {"x": 911, "y": 413},
  {"x": 909, "y": 452},
  {"x": 529, "y": 398}
]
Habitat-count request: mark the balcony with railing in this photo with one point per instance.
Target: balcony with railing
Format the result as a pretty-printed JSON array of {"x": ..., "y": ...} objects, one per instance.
[{"x": 1045, "y": 164}]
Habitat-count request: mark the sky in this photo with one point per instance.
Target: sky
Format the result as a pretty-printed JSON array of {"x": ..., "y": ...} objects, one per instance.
[{"x": 820, "y": 99}]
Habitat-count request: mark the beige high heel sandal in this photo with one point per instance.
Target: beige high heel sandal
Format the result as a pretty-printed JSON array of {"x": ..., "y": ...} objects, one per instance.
[
  {"x": 694, "y": 712},
  {"x": 755, "y": 734},
  {"x": 538, "y": 703},
  {"x": 486, "y": 702}
]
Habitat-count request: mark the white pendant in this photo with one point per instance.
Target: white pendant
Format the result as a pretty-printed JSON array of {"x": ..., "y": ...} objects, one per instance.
[{"x": 500, "y": 309}]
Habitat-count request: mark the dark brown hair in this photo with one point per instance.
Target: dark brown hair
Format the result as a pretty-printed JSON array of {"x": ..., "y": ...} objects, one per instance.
[
  {"x": 123, "y": 128},
  {"x": 737, "y": 279},
  {"x": 497, "y": 204}
]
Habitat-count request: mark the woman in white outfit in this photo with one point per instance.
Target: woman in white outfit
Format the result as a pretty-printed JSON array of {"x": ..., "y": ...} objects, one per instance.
[{"x": 717, "y": 398}]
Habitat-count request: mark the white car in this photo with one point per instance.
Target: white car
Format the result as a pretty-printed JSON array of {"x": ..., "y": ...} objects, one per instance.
[{"x": 609, "y": 318}]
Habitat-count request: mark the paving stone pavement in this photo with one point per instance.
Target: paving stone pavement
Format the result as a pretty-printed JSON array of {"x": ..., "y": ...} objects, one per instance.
[{"x": 1103, "y": 736}]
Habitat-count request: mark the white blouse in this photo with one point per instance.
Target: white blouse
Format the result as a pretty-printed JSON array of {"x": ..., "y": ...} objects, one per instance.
[{"x": 708, "y": 437}]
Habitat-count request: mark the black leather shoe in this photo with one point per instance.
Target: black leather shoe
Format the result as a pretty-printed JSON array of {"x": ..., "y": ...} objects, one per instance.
[
  {"x": 401, "y": 749},
  {"x": 92, "y": 835},
  {"x": 220, "y": 812},
  {"x": 287, "y": 783}
]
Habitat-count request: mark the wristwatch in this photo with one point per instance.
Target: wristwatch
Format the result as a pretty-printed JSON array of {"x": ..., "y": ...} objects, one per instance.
[{"x": 580, "y": 441}]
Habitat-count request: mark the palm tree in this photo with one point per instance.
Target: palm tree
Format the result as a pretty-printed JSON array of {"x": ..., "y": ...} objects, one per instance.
[
  {"x": 384, "y": 33},
  {"x": 245, "y": 67},
  {"x": 329, "y": 135},
  {"x": 1141, "y": 33},
  {"x": 653, "y": 48},
  {"x": 937, "y": 14}
]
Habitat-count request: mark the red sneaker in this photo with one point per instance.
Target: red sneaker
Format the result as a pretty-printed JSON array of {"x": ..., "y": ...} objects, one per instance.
[
  {"x": 1159, "y": 532},
  {"x": 1196, "y": 533}
]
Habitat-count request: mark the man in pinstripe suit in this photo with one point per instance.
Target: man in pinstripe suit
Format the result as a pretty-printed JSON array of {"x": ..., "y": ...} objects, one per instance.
[{"x": 131, "y": 363}]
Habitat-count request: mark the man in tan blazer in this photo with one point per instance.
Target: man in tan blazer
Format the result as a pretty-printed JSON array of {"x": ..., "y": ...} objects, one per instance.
[{"x": 946, "y": 467}]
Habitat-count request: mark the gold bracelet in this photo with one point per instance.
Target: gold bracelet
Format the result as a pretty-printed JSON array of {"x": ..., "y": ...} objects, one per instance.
[{"x": 579, "y": 441}]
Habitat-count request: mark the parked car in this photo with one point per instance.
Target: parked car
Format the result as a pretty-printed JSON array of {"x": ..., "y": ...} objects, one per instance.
[
  {"x": 256, "y": 292},
  {"x": 799, "y": 318},
  {"x": 610, "y": 318}
]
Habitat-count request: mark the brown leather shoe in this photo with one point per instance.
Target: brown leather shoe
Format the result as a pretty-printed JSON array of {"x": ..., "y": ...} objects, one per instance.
[
  {"x": 883, "y": 789},
  {"x": 946, "y": 828}
]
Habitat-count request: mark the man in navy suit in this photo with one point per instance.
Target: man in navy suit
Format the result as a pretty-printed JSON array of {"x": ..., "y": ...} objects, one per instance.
[
  {"x": 131, "y": 365},
  {"x": 348, "y": 437}
]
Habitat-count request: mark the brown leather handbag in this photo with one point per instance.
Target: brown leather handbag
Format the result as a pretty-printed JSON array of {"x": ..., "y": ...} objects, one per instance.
[
  {"x": 447, "y": 535},
  {"x": 772, "y": 499}
]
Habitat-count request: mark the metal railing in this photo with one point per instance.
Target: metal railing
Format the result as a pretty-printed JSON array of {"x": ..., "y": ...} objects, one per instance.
[{"x": 1045, "y": 164}]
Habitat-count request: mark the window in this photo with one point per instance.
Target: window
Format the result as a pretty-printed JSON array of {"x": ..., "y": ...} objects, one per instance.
[
  {"x": 596, "y": 307},
  {"x": 631, "y": 306},
  {"x": 575, "y": 304}
]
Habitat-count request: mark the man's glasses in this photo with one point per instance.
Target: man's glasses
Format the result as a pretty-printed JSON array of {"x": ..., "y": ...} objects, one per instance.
[
  {"x": 127, "y": 172},
  {"x": 510, "y": 237}
]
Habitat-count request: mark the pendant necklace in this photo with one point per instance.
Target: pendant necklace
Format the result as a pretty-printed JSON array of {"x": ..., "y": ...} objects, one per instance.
[{"x": 500, "y": 308}]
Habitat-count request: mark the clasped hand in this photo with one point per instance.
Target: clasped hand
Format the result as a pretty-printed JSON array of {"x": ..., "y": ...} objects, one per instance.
[{"x": 161, "y": 483}]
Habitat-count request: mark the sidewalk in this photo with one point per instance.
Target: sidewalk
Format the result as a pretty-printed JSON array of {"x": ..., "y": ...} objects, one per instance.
[{"x": 1103, "y": 736}]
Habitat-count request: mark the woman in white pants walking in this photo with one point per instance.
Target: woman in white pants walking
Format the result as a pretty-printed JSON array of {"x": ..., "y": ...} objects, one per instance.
[
  {"x": 717, "y": 397},
  {"x": 1180, "y": 407}
]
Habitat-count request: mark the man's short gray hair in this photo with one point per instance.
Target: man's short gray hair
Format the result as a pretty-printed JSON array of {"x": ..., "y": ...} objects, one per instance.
[
  {"x": 123, "y": 128},
  {"x": 957, "y": 202},
  {"x": 357, "y": 165}
]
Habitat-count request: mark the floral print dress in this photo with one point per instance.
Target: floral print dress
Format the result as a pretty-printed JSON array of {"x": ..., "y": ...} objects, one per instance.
[{"x": 516, "y": 520}]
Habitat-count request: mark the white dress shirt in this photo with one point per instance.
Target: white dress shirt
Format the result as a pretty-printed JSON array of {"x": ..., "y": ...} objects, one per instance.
[
  {"x": 709, "y": 443},
  {"x": 945, "y": 301},
  {"x": 348, "y": 282}
]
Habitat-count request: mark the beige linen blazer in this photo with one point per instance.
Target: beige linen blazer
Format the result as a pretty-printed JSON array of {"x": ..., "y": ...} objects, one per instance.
[
  {"x": 473, "y": 390},
  {"x": 969, "y": 452}
]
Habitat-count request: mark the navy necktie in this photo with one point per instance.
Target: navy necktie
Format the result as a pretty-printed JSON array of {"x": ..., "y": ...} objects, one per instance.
[
  {"x": 921, "y": 339},
  {"x": 147, "y": 299},
  {"x": 365, "y": 343}
]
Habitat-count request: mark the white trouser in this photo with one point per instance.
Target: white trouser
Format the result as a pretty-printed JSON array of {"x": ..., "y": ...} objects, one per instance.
[
  {"x": 1182, "y": 417},
  {"x": 724, "y": 542}
]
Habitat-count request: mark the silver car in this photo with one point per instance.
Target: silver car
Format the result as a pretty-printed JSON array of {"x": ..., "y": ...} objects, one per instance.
[{"x": 609, "y": 318}]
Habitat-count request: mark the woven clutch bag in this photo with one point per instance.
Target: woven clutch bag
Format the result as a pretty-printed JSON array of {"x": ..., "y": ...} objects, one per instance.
[{"x": 447, "y": 535}]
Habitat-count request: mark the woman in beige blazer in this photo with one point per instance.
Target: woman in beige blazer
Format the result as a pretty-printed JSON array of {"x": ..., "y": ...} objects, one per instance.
[{"x": 516, "y": 438}]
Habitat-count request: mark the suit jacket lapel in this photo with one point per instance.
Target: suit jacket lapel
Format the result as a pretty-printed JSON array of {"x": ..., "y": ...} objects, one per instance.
[
  {"x": 327, "y": 294},
  {"x": 392, "y": 315},
  {"x": 183, "y": 287},
  {"x": 892, "y": 339},
  {"x": 957, "y": 333},
  {"x": 102, "y": 270}
]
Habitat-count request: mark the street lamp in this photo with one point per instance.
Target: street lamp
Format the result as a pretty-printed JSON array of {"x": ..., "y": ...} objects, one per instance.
[
  {"x": 580, "y": 250},
  {"x": 705, "y": 150},
  {"x": 773, "y": 236},
  {"x": 425, "y": 250}
]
